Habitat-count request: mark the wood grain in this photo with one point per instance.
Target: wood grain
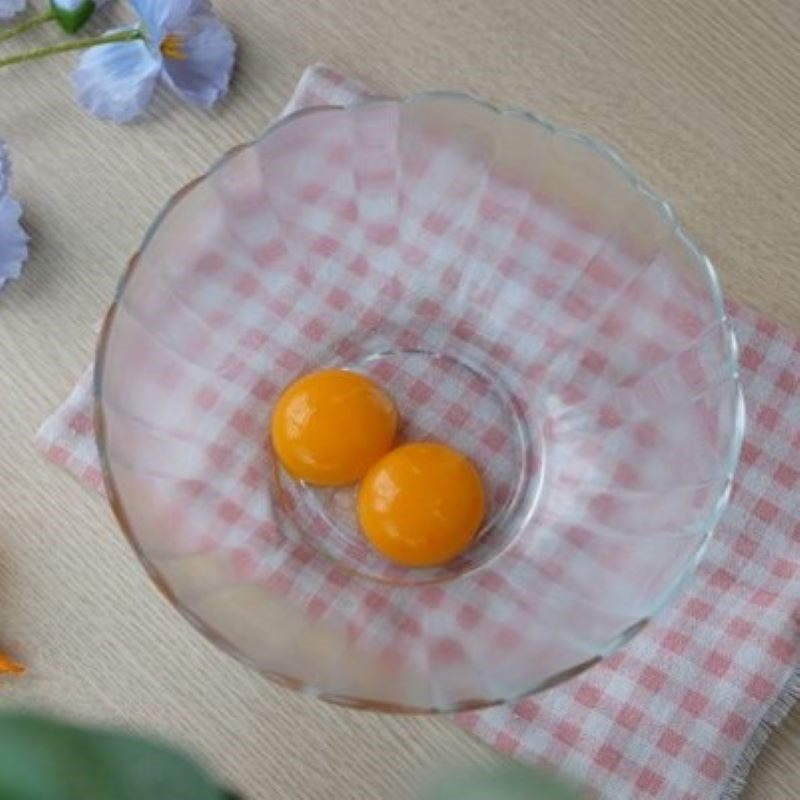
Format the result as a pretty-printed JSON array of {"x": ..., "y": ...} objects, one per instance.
[{"x": 702, "y": 98}]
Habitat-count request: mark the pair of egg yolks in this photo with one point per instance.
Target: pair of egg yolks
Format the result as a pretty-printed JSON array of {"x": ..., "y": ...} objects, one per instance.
[{"x": 419, "y": 504}]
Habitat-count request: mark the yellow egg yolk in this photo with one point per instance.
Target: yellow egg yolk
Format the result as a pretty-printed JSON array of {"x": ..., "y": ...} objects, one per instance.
[
  {"x": 330, "y": 427},
  {"x": 422, "y": 504}
]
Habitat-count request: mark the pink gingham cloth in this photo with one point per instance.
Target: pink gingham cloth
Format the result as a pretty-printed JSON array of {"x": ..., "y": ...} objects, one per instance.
[{"x": 682, "y": 710}]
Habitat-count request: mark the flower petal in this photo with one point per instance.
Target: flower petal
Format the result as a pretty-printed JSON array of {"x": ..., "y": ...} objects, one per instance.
[
  {"x": 68, "y": 5},
  {"x": 116, "y": 81},
  {"x": 5, "y": 168},
  {"x": 161, "y": 17},
  {"x": 8, "y": 8},
  {"x": 10, "y": 667},
  {"x": 13, "y": 240},
  {"x": 203, "y": 76}
]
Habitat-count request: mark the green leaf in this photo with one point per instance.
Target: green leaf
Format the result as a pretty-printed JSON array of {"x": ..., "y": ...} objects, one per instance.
[
  {"x": 41, "y": 759},
  {"x": 72, "y": 21},
  {"x": 509, "y": 781}
]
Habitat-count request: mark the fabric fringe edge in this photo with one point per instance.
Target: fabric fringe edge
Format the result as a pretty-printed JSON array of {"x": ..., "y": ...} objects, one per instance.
[{"x": 774, "y": 715}]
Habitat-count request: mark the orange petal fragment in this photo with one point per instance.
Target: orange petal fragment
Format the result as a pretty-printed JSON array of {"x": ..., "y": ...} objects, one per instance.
[{"x": 10, "y": 667}]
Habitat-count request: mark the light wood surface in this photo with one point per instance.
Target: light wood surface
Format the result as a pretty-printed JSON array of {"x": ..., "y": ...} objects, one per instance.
[{"x": 701, "y": 97}]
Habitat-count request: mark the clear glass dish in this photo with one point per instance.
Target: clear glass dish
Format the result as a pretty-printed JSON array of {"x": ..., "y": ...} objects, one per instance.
[{"x": 523, "y": 297}]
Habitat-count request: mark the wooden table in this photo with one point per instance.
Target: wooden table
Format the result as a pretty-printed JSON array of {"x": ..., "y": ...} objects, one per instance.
[{"x": 701, "y": 97}]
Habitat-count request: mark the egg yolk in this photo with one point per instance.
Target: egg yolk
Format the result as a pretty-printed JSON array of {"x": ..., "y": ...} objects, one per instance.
[
  {"x": 422, "y": 504},
  {"x": 330, "y": 427}
]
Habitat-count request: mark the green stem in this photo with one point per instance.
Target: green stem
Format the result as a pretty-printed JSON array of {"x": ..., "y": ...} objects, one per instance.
[
  {"x": 67, "y": 47},
  {"x": 28, "y": 24}
]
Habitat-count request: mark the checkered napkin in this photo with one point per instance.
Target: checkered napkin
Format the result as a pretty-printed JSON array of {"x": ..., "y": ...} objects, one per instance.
[{"x": 683, "y": 709}]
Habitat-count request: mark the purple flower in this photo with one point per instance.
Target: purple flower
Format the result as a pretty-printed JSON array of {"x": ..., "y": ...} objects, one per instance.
[
  {"x": 13, "y": 239},
  {"x": 9, "y": 8},
  {"x": 183, "y": 43}
]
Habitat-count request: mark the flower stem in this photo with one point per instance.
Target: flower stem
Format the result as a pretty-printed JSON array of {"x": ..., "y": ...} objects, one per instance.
[
  {"x": 28, "y": 24},
  {"x": 67, "y": 47}
]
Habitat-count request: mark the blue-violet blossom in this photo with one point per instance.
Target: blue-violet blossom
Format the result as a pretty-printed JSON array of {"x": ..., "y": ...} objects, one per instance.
[
  {"x": 10, "y": 8},
  {"x": 183, "y": 43},
  {"x": 13, "y": 239}
]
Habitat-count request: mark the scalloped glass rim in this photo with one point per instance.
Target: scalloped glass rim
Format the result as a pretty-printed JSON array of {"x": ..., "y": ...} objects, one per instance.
[{"x": 668, "y": 214}]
